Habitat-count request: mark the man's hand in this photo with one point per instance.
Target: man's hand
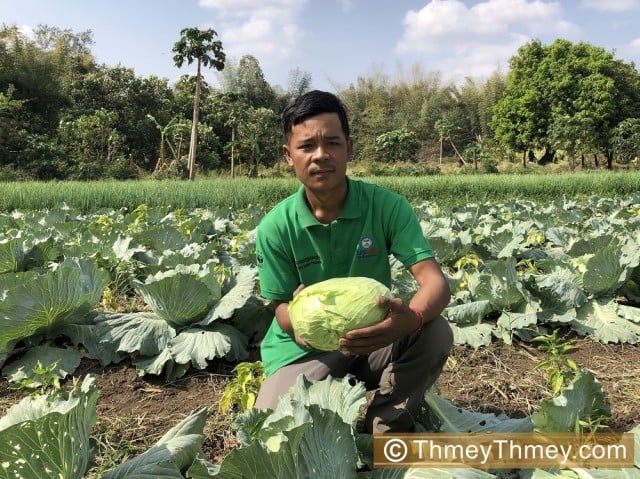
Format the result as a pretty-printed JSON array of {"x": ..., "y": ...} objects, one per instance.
[
  {"x": 400, "y": 321},
  {"x": 282, "y": 316}
]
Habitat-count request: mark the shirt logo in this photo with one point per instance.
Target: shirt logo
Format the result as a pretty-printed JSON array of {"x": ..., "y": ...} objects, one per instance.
[{"x": 366, "y": 249}]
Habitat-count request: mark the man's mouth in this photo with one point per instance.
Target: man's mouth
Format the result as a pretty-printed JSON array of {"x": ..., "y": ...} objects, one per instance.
[{"x": 321, "y": 172}]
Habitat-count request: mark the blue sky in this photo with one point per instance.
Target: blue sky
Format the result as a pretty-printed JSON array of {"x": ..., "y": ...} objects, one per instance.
[{"x": 338, "y": 40}]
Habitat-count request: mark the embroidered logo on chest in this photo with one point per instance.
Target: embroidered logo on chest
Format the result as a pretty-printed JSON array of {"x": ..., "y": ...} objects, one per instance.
[{"x": 366, "y": 248}]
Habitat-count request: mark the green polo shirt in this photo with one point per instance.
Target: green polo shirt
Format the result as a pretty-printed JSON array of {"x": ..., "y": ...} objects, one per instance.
[{"x": 293, "y": 248}]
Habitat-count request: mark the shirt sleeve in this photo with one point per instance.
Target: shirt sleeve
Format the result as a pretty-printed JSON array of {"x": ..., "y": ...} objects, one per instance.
[
  {"x": 277, "y": 274},
  {"x": 407, "y": 241}
]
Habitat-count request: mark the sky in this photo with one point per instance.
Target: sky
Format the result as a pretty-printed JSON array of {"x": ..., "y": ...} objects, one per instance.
[{"x": 337, "y": 41}]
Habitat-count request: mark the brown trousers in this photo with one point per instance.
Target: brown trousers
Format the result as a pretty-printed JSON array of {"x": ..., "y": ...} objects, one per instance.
[{"x": 399, "y": 373}]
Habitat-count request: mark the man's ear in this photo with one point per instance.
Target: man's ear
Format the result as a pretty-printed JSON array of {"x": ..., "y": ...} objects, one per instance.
[{"x": 287, "y": 156}]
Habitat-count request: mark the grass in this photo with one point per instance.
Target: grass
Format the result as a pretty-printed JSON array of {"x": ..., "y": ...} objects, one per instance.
[{"x": 224, "y": 193}]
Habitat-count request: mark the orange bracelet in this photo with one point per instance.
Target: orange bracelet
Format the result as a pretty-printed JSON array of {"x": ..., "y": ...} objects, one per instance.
[{"x": 420, "y": 319}]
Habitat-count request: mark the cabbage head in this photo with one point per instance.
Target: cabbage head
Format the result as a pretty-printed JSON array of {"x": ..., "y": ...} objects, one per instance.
[{"x": 322, "y": 313}]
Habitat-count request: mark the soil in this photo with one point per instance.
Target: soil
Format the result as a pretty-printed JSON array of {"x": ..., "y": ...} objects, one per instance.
[{"x": 134, "y": 412}]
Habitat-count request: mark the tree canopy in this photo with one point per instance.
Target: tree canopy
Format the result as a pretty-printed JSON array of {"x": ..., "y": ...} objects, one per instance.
[
  {"x": 565, "y": 96},
  {"x": 63, "y": 116}
]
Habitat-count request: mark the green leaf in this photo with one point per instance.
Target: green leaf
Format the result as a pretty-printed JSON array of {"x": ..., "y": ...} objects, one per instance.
[
  {"x": 144, "y": 333},
  {"x": 176, "y": 450},
  {"x": 604, "y": 272},
  {"x": 467, "y": 313},
  {"x": 599, "y": 319},
  {"x": 455, "y": 419},
  {"x": 12, "y": 256},
  {"x": 67, "y": 362},
  {"x": 581, "y": 399},
  {"x": 344, "y": 396},
  {"x": 50, "y": 300},
  {"x": 196, "y": 345},
  {"x": 179, "y": 296},
  {"x": 235, "y": 298},
  {"x": 84, "y": 333},
  {"x": 323, "y": 446},
  {"x": 560, "y": 288},
  {"x": 43, "y": 438},
  {"x": 475, "y": 335},
  {"x": 500, "y": 285}
]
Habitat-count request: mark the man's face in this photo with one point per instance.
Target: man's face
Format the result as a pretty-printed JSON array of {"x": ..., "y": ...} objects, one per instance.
[{"x": 318, "y": 152}]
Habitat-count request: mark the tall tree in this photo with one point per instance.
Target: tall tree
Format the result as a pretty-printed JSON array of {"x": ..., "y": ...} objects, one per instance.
[
  {"x": 566, "y": 93},
  {"x": 247, "y": 79},
  {"x": 199, "y": 46}
]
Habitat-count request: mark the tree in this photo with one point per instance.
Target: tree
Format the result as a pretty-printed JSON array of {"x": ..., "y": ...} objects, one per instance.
[
  {"x": 397, "y": 145},
  {"x": 564, "y": 89},
  {"x": 626, "y": 141},
  {"x": 199, "y": 46},
  {"x": 247, "y": 79},
  {"x": 131, "y": 98},
  {"x": 257, "y": 138}
]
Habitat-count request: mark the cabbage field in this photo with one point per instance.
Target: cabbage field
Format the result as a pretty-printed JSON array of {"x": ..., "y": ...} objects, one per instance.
[{"x": 171, "y": 289}]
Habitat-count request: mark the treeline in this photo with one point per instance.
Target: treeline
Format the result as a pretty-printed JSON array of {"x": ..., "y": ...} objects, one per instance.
[{"x": 63, "y": 116}]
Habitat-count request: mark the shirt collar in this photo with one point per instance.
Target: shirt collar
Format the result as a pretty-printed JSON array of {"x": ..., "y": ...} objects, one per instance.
[{"x": 350, "y": 210}]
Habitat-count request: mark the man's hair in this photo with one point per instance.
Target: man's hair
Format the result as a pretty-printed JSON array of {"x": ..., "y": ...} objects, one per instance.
[{"x": 311, "y": 104}]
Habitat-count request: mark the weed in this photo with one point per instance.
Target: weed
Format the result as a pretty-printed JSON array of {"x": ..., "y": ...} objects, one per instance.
[
  {"x": 242, "y": 391},
  {"x": 560, "y": 368}
]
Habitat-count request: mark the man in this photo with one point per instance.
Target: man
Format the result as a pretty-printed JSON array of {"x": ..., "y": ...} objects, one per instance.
[{"x": 337, "y": 227}]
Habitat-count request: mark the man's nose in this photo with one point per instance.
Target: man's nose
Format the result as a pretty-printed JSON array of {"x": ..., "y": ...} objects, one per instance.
[{"x": 321, "y": 152}]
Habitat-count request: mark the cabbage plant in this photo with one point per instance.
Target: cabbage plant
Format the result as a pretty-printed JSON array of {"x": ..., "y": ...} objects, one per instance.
[
  {"x": 185, "y": 327},
  {"x": 35, "y": 306}
]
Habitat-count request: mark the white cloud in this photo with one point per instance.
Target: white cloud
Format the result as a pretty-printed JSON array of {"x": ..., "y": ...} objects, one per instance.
[
  {"x": 266, "y": 29},
  {"x": 631, "y": 50},
  {"x": 347, "y": 5},
  {"x": 612, "y": 5},
  {"x": 478, "y": 39}
]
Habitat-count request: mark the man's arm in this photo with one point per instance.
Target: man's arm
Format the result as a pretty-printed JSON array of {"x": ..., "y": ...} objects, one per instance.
[
  {"x": 431, "y": 298},
  {"x": 433, "y": 293}
]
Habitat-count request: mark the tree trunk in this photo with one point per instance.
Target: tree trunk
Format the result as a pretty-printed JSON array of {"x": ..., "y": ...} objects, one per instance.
[
  {"x": 583, "y": 163},
  {"x": 460, "y": 158},
  {"x": 524, "y": 159},
  {"x": 160, "y": 162},
  {"x": 609, "y": 156},
  {"x": 194, "y": 127},
  {"x": 595, "y": 160},
  {"x": 233, "y": 140},
  {"x": 441, "y": 150}
]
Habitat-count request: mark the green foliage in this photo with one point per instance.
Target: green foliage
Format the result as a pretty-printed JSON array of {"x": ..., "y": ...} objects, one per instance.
[
  {"x": 242, "y": 391},
  {"x": 565, "y": 96},
  {"x": 199, "y": 46},
  {"x": 560, "y": 368},
  {"x": 47, "y": 382},
  {"x": 397, "y": 145},
  {"x": 626, "y": 140}
]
